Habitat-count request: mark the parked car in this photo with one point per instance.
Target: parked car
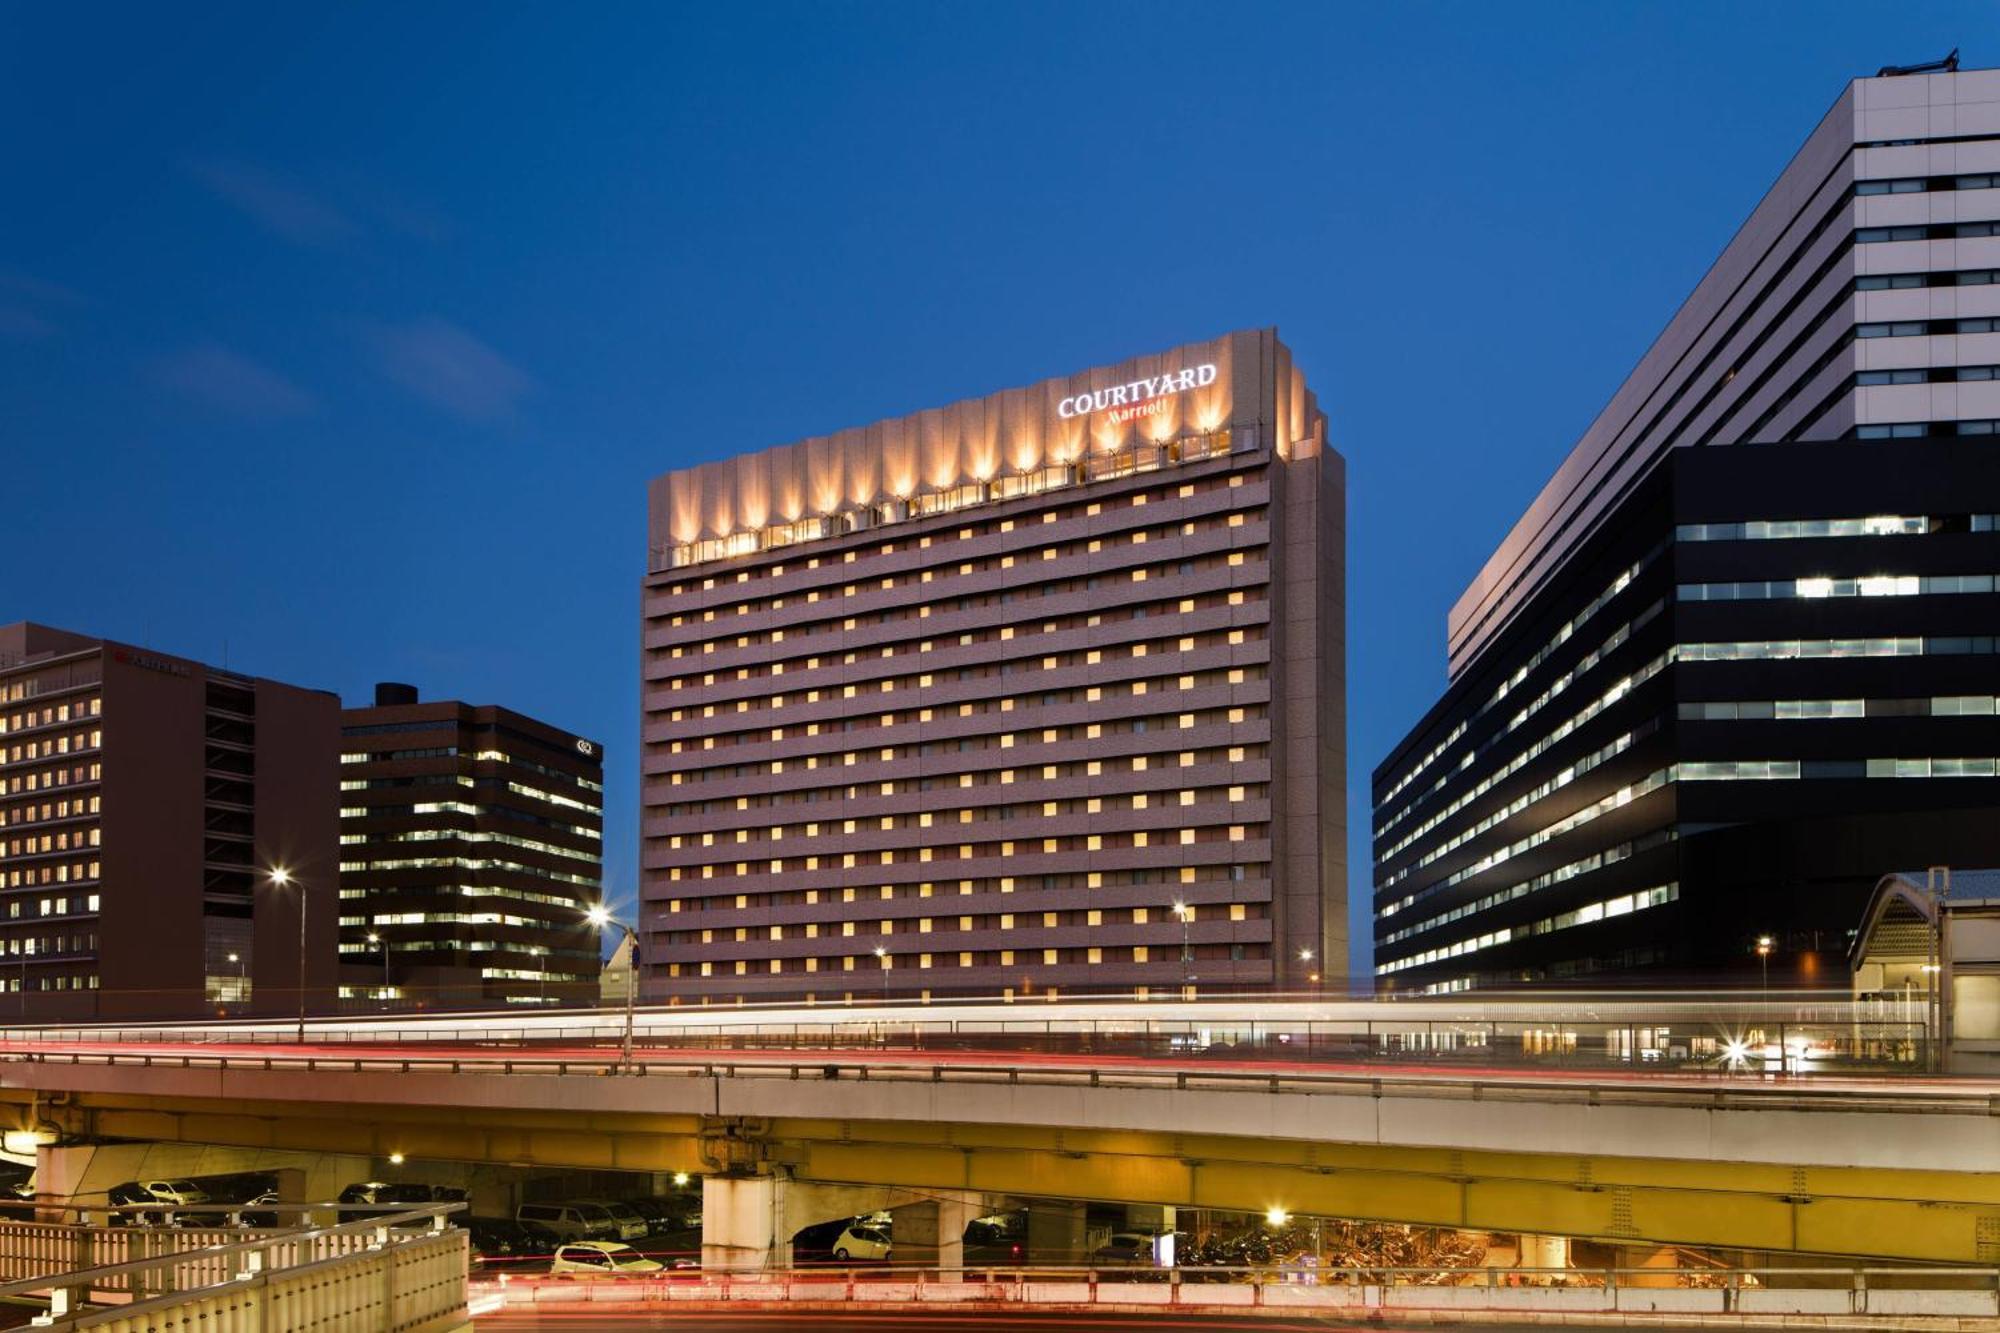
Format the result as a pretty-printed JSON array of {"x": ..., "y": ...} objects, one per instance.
[
  {"x": 381, "y": 1192},
  {"x": 991, "y": 1240},
  {"x": 601, "y": 1258},
  {"x": 568, "y": 1221},
  {"x": 179, "y": 1193},
  {"x": 664, "y": 1215},
  {"x": 862, "y": 1240},
  {"x": 625, "y": 1224},
  {"x": 1132, "y": 1248},
  {"x": 257, "y": 1212},
  {"x": 497, "y": 1239}
]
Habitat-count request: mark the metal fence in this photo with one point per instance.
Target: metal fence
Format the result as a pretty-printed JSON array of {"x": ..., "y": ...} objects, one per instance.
[
  {"x": 1949, "y": 1292},
  {"x": 370, "y": 1276}
]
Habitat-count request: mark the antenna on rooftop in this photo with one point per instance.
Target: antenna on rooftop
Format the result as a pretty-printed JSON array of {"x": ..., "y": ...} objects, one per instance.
[{"x": 1949, "y": 65}]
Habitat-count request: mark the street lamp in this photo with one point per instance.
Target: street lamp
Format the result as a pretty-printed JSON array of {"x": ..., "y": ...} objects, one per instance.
[
  {"x": 882, "y": 964},
  {"x": 376, "y": 939},
  {"x": 238, "y": 961},
  {"x": 1764, "y": 943},
  {"x": 1186, "y": 915},
  {"x": 600, "y": 917},
  {"x": 281, "y": 878}
]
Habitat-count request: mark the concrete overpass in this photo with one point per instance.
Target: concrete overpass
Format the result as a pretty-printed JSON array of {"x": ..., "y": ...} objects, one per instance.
[{"x": 1831, "y": 1165}]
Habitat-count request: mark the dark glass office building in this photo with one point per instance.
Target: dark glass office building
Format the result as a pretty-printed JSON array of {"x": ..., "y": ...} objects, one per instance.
[{"x": 1737, "y": 660}]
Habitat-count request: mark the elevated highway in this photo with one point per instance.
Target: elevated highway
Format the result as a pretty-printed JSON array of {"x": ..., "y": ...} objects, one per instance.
[{"x": 1792, "y": 1143}]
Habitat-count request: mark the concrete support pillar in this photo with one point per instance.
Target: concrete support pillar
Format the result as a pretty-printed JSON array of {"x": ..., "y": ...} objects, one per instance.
[
  {"x": 932, "y": 1233},
  {"x": 1544, "y": 1252},
  {"x": 1056, "y": 1232},
  {"x": 739, "y": 1223},
  {"x": 59, "y": 1173}
]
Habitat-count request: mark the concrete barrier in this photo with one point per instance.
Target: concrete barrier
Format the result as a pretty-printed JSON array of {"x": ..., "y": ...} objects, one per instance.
[
  {"x": 1795, "y": 1300},
  {"x": 1949, "y": 1304},
  {"x": 1671, "y": 1300}
]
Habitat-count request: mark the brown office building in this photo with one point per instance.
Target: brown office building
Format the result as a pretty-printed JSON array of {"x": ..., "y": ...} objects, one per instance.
[
  {"x": 471, "y": 847},
  {"x": 144, "y": 799},
  {"x": 970, "y": 701}
]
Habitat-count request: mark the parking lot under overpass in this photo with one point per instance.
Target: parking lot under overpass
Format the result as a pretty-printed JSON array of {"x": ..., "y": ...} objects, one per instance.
[{"x": 1894, "y": 1171}]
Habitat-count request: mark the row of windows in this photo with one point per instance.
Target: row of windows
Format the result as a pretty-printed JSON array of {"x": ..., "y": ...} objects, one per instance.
[
  {"x": 50, "y": 715},
  {"x": 1090, "y": 842},
  {"x": 1139, "y": 916},
  {"x": 457, "y": 835},
  {"x": 1186, "y": 798},
  {"x": 1794, "y": 710},
  {"x": 1562, "y": 874},
  {"x": 1203, "y": 717},
  {"x": 1926, "y": 375},
  {"x": 63, "y": 841},
  {"x": 971, "y": 568},
  {"x": 403, "y": 893},
  {"x": 1764, "y": 769},
  {"x": 443, "y": 918},
  {"x": 467, "y": 808},
  {"x": 1965, "y": 277},
  {"x": 68, "y": 872},
  {"x": 1927, "y": 184},
  {"x": 1616, "y": 639},
  {"x": 1880, "y": 525},
  {"x": 1190, "y": 680},
  {"x": 1019, "y": 625},
  {"x": 1186, "y": 643},
  {"x": 63, "y": 981},
  {"x": 1926, "y": 231},
  {"x": 1873, "y": 585},
  {"x": 1588, "y": 814},
  {"x": 32, "y": 812},
  {"x": 1234, "y": 754},
  {"x": 1108, "y": 467},
  {"x": 1927, "y": 328},
  {"x": 1611, "y": 695},
  {"x": 966, "y": 888},
  {"x": 1088, "y": 956},
  {"x": 468, "y": 863},
  {"x": 50, "y": 747},
  {"x": 1786, "y": 649},
  {"x": 1922, "y": 430},
  {"x": 38, "y": 946},
  {"x": 1561, "y": 636},
  {"x": 1609, "y": 909}
]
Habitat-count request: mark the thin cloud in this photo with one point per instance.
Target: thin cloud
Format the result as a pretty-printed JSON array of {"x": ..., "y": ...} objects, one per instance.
[
  {"x": 219, "y": 379},
  {"x": 450, "y": 369},
  {"x": 19, "y": 325},
  {"x": 277, "y": 204},
  {"x": 38, "y": 291}
]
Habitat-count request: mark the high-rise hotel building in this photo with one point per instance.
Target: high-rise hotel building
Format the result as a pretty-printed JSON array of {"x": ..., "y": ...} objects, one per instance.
[
  {"x": 1737, "y": 660},
  {"x": 145, "y": 800},
  {"x": 1036, "y": 693},
  {"x": 471, "y": 847}
]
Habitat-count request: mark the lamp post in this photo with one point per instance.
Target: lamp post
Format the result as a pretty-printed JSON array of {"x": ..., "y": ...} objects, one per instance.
[
  {"x": 1186, "y": 914},
  {"x": 383, "y": 944},
  {"x": 237, "y": 959},
  {"x": 1764, "y": 943},
  {"x": 882, "y": 966},
  {"x": 600, "y": 916},
  {"x": 281, "y": 878}
]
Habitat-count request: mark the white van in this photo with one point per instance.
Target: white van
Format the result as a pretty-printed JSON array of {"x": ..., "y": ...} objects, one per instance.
[{"x": 566, "y": 1221}]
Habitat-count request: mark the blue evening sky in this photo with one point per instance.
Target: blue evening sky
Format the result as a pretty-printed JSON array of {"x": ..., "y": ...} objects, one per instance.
[{"x": 347, "y": 336}]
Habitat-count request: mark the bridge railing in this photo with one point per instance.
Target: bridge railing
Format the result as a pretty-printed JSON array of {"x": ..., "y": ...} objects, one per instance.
[
  {"x": 403, "y": 1270},
  {"x": 1951, "y": 1292},
  {"x": 1712, "y": 1089},
  {"x": 1802, "y": 1039}
]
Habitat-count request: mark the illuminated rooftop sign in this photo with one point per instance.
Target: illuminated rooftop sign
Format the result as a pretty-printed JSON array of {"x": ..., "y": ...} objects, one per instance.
[{"x": 1137, "y": 393}]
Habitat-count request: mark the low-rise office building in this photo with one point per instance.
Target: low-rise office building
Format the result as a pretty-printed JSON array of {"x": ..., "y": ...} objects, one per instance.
[
  {"x": 1736, "y": 662},
  {"x": 1037, "y": 693},
  {"x": 145, "y": 801},
  {"x": 471, "y": 848}
]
